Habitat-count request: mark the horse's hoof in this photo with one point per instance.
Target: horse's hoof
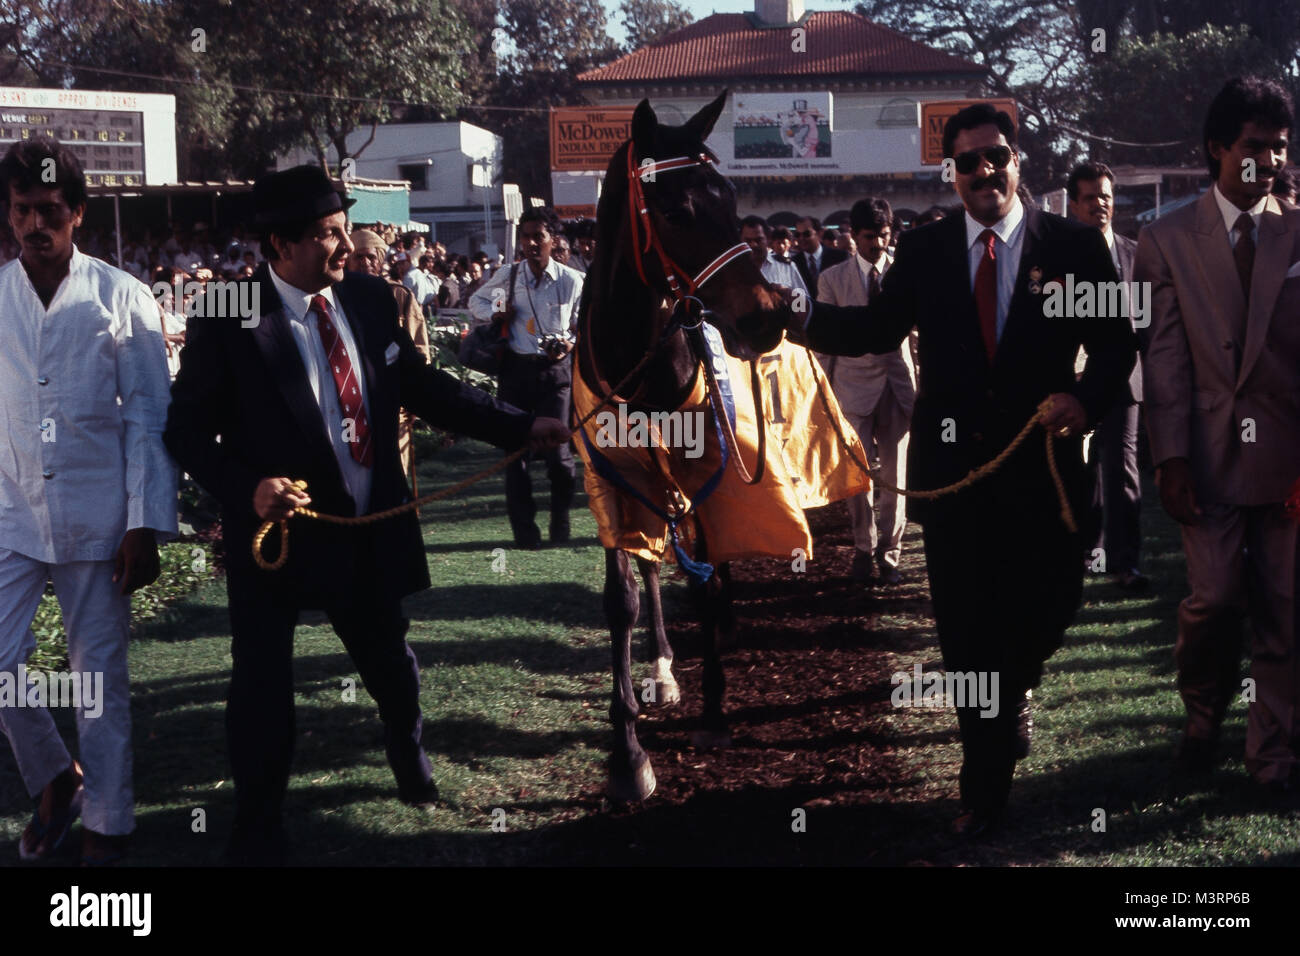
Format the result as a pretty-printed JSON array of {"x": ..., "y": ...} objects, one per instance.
[
  {"x": 710, "y": 739},
  {"x": 666, "y": 690},
  {"x": 635, "y": 787}
]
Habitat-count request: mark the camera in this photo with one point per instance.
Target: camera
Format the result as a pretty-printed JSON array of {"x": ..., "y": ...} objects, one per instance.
[{"x": 554, "y": 345}]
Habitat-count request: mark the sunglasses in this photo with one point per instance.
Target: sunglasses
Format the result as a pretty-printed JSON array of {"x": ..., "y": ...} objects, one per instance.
[
  {"x": 969, "y": 161},
  {"x": 805, "y": 234}
]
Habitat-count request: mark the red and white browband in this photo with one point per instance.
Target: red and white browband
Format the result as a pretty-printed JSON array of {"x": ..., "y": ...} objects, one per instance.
[{"x": 676, "y": 276}]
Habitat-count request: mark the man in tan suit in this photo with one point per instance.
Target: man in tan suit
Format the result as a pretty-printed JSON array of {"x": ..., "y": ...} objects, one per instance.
[
  {"x": 876, "y": 393},
  {"x": 1222, "y": 376}
]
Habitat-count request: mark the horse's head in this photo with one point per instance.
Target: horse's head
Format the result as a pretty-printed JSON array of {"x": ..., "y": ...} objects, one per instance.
[{"x": 692, "y": 210}]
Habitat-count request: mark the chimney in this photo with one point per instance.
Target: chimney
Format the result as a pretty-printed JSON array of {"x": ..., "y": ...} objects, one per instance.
[{"x": 778, "y": 13}]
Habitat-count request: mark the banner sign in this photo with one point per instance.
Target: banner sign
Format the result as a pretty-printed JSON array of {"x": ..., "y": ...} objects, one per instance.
[
  {"x": 586, "y": 139},
  {"x": 935, "y": 114}
]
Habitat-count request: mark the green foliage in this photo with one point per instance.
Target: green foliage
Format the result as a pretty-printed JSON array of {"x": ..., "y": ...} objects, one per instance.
[
  {"x": 185, "y": 566},
  {"x": 1158, "y": 89},
  {"x": 648, "y": 21}
]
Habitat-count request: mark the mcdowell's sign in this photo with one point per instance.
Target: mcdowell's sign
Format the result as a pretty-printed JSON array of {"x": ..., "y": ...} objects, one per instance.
[
  {"x": 585, "y": 139},
  {"x": 936, "y": 113}
]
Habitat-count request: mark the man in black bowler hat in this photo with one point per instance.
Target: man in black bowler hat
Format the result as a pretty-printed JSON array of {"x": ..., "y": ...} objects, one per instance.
[{"x": 309, "y": 388}]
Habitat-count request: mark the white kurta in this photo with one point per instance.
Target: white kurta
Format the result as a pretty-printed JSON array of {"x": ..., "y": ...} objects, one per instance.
[{"x": 83, "y": 402}]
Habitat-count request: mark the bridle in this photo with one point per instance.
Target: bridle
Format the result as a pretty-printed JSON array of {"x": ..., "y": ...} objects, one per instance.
[
  {"x": 688, "y": 312},
  {"x": 676, "y": 276}
]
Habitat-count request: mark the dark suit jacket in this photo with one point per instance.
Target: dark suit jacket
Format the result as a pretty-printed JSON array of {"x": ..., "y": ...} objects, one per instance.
[
  {"x": 830, "y": 257},
  {"x": 1124, "y": 249},
  {"x": 929, "y": 287},
  {"x": 249, "y": 386}
]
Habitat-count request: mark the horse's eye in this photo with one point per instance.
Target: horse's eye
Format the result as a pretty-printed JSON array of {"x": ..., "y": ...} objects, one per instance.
[{"x": 680, "y": 216}]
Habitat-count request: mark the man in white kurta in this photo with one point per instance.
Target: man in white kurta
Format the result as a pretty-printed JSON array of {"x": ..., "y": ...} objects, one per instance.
[{"x": 86, "y": 489}]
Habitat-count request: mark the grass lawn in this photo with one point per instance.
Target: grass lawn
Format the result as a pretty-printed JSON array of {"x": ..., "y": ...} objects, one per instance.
[{"x": 515, "y": 665}]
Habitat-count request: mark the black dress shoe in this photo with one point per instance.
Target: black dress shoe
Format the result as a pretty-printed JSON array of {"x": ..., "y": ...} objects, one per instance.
[
  {"x": 863, "y": 567},
  {"x": 974, "y": 825},
  {"x": 1282, "y": 796},
  {"x": 257, "y": 846},
  {"x": 1024, "y": 727},
  {"x": 529, "y": 541},
  {"x": 421, "y": 795},
  {"x": 559, "y": 530},
  {"x": 1132, "y": 580},
  {"x": 1195, "y": 756},
  {"x": 890, "y": 577}
]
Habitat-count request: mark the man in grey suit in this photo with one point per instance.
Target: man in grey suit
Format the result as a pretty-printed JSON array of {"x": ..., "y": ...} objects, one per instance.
[
  {"x": 1222, "y": 366},
  {"x": 876, "y": 393},
  {"x": 1112, "y": 454}
]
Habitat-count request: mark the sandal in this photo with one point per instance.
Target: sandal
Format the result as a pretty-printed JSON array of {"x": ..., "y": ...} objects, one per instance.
[{"x": 45, "y": 839}]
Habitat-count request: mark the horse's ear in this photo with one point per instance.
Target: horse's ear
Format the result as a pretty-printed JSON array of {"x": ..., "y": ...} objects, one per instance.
[
  {"x": 644, "y": 125},
  {"x": 701, "y": 124}
]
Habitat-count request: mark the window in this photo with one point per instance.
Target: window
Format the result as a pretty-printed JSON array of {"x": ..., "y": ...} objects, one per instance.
[{"x": 417, "y": 174}]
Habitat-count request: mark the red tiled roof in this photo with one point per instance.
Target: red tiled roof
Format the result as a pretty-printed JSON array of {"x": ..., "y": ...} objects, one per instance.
[{"x": 729, "y": 46}]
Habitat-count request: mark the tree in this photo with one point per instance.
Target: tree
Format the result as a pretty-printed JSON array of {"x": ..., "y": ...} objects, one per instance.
[
  {"x": 251, "y": 79},
  {"x": 1157, "y": 89},
  {"x": 549, "y": 42},
  {"x": 648, "y": 21}
]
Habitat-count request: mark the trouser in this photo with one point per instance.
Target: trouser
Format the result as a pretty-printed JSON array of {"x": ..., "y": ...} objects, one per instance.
[
  {"x": 1242, "y": 560},
  {"x": 260, "y": 712},
  {"x": 97, "y": 621},
  {"x": 544, "y": 388},
  {"x": 1117, "y": 489},
  {"x": 881, "y": 534},
  {"x": 1002, "y": 603}
]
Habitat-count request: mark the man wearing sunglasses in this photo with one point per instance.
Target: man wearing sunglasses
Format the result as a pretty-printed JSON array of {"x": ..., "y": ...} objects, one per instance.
[{"x": 1006, "y": 576}]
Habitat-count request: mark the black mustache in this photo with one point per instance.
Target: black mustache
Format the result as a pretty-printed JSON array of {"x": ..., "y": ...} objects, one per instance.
[
  {"x": 36, "y": 236},
  {"x": 997, "y": 179}
]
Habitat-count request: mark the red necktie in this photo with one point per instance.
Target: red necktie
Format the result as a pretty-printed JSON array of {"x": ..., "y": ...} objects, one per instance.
[
  {"x": 345, "y": 381},
  {"x": 986, "y": 294}
]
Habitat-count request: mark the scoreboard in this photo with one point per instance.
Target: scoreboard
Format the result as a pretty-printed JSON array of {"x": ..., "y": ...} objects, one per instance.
[{"x": 121, "y": 139}]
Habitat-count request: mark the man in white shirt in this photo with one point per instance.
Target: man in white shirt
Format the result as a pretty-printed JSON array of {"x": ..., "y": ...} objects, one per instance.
[
  {"x": 877, "y": 393},
  {"x": 86, "y": 491},
  {"x": 755, "y": 232},
  {"x": 536, "y": 303}
]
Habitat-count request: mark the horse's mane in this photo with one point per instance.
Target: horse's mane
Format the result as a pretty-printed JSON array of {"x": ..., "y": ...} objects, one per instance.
[{"x": 609, "y": 220}]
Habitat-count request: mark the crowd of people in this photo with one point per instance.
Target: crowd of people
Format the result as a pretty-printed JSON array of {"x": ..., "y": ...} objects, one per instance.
[{"x": 934, "y": 337}]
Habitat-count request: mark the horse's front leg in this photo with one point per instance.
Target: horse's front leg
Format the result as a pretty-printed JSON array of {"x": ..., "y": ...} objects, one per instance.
[
  {"x": 631, "y": 778},
  {"x": 660, "y": 652},
  {"x": 714, "y": 599}
]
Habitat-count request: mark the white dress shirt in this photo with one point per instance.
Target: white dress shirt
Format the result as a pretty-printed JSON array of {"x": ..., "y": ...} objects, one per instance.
[
  {"x": 83, "y": 401},
  {"x": 1231, "y": 214},
  {"x": 544, "y": 305},
  {"x": 306, "y": 335},
  {"x": 1010, "y": 233},
  {"x": 866, "y": 268}
]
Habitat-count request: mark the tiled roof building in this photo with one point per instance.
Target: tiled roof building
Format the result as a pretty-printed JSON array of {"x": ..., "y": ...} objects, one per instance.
[{"x": 862, "y": 81}]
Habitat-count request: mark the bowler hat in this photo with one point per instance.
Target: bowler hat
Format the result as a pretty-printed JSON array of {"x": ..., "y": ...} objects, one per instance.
[{"x": 300, "y": 194}]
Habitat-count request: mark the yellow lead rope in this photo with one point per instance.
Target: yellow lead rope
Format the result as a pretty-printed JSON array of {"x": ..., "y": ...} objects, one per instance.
[
  {"x": 983, "y": 471},
  {"x": 988, "y": 468}
]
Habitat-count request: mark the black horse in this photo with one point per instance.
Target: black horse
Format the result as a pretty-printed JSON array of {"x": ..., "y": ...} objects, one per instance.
[{"x": 679, "y": 237}]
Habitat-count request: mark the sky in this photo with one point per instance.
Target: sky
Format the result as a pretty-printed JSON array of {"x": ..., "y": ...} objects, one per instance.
[{"x": 702, "y": 8}]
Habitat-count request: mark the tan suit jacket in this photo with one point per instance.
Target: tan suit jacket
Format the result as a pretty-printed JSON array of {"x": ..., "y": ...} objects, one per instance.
[
  {"x": 860, "y": 381},
  {"x": 1228, "y": 402}
]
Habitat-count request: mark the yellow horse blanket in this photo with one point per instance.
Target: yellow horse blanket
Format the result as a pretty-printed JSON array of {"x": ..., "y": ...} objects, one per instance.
[{"x": 806, "y": 466}]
